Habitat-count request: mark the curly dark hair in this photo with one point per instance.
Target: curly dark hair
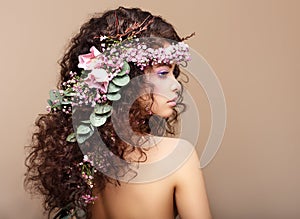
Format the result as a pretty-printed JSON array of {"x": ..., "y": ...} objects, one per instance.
[{"x": 52, "y": 162}]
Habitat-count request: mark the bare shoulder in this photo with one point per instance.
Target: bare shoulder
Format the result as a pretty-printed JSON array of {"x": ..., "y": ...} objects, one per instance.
[
  {"x": 190, "y": 191},
  {"x": 165, "y": 160},
  {"x": 186, "y": 152},
  {"x": 177, "y": 149},
  {"x": 181, "y": 155},
  {"x": 166, "y": 146}
]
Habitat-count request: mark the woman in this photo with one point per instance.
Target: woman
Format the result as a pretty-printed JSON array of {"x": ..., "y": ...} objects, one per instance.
[{"x": 94, "y": 154}]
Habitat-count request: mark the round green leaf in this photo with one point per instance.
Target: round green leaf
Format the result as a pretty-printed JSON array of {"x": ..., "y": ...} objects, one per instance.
[
  {"x": 113, "y": 96},
  {"x": 108, "y": 114},
  {"x": 112, "y": 88},
  {"x": 52, "y": 94},
  {"x": 97, "y": 120},
  {"x": 121, "y": 81},
  {"x": 55, "y": 95},
  {"x": 68, "y": 93},
  {"x": 71, "y": 137},
  {"x": 49, "y": 102},
  {"x": 125, "y": 68},
  {"x": 101, "y": 109},
  {"x": 83, "y": 129},
  {"x": 58, "y": 106},
  {"x": 83, "y": 138}
]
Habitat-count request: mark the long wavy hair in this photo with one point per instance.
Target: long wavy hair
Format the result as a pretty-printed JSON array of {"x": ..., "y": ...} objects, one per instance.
[{"x": 52, "y": 162}]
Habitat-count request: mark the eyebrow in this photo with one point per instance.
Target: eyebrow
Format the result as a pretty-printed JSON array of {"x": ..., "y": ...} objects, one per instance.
[{"x": 163, "y": 64}]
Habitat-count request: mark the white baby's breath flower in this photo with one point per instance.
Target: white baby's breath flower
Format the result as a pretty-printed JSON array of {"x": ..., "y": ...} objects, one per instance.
[{"x": 103, "y": 38}]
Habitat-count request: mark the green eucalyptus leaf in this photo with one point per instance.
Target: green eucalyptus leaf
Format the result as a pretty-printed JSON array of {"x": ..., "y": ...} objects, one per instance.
[
  {"x": 58, "y": 106},
  {"x": 102, "y": 109},
  {"x": 83, "y": 129},
  {"x": 86, "y": 121},
  {"x": 71, "y": 137},
  {"x": 92, "y": 128},
  {"x": 49, "y": 102},
  {"x": 52, "y": 95},
  {"x": 69, "y": 93},
  {"x": 82, "y": 138},
  {"x": 121, "y": 81},
  {"x": 112, "y": 88},
  {"x": 113, "y": 96},
  {"x": 97, "y": 120},
  {"x": 125, "y": 68},
  {"x": 108, "y": 114},
  {"x": 55, "y": 95}
]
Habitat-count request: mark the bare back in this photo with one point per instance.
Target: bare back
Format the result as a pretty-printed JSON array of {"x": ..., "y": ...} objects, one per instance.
[{"x": 148, "y": 200}]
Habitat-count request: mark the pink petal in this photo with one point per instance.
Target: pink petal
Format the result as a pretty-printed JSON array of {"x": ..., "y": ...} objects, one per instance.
[
  {"x": 85, "y": 59},
  {"x": 94, "y": 51}
]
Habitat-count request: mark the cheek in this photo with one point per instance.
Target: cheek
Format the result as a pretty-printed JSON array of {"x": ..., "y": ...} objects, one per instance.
[
  {"x": 161, "y": 88},
  {"x": 158, "y": 98},
  {"x": 160, "y": 107},
  {"x": 157, "y": 103}
]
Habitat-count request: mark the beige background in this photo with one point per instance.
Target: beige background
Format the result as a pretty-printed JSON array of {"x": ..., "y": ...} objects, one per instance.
[{"x": 253, "y": 46}]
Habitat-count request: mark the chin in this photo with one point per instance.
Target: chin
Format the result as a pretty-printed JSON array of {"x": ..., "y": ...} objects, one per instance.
[
  {"x": 165, "y": 114},
  {"x": 162, "y": 110}
]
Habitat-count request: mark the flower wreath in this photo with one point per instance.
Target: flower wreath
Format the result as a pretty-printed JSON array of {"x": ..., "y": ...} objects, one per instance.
[{"x": 104, "y": 74}]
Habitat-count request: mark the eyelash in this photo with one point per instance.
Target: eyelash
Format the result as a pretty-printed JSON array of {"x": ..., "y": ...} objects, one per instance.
[{"x": 163, "y": 74}]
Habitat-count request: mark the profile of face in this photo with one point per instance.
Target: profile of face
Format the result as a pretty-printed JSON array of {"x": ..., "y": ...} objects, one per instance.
[{"x": 166, "y": 89}]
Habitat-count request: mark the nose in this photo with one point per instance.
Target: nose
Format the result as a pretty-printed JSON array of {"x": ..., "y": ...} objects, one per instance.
[{"x": 176, "y": 86}]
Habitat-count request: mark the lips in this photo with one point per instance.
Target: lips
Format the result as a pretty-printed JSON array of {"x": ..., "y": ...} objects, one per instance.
[{"x": 173, "y": 100}]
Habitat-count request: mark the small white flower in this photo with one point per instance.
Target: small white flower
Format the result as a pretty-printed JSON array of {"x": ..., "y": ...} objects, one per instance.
[
  {"x": 85, "y": 158},
  {"x": 103, "y": 38}
]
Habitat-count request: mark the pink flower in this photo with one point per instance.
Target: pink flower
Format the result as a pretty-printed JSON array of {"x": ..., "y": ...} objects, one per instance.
[
  {"x": 88, "y": 198},
  {"x": 86, "y": 158},
  {"x": 99, "y": 79},
  {"x": 85, "y": 60}
]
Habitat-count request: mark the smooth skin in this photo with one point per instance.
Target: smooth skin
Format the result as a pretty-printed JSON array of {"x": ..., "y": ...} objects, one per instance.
[
  {"x": 185, "y": 186},
  {"x": 183, "y": 189}
]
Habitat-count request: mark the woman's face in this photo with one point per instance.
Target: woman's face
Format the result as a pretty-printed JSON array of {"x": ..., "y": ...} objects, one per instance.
[{"x": 166, "y": 88}]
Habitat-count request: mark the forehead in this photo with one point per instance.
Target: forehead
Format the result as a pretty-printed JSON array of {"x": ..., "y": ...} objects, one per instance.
[{"x": 163, "y": 65}]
